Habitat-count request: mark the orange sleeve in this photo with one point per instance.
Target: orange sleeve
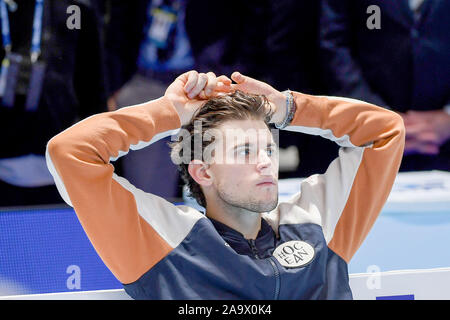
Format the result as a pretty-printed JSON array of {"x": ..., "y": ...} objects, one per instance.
[
  {"x": 79, "y": 159},
  {"x": 355, "y": 187}
]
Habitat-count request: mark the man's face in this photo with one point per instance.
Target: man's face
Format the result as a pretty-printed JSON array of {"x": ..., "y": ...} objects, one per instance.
[{"x": 245, "y": 166}]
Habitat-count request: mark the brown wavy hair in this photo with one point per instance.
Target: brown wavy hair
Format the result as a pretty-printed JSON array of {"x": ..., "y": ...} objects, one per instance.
[{"x": 235, "y": 106}]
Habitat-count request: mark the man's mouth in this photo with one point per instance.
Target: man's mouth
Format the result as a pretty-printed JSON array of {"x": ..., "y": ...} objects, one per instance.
[{"x": 266, "y": 182}]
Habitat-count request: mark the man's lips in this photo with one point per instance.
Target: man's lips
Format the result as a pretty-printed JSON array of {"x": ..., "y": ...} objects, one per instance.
[{"x": 266, "y": 182}]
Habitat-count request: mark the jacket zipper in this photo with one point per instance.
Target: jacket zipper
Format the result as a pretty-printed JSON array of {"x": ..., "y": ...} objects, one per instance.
[
  {"x": 277, "y": 277},
  {"x": 254, "y": 249},
  {"x": 272, "y": 263}
]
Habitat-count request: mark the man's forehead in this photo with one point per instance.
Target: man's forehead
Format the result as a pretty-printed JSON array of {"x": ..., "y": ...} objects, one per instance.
[
  {"x": 243, "y": 123},
  {"x": 248, "y": 131}
]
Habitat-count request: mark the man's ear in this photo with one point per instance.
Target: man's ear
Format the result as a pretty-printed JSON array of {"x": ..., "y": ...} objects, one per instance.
[{"x": 199, "y": 172}]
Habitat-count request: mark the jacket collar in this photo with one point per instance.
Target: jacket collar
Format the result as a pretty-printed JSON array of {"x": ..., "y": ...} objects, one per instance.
[{"x": 260, "y": 248}]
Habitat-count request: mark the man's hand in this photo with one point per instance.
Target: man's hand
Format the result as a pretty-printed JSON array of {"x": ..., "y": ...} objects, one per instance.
[
  {"x": 426, "y": 131},
  {"x": 191, "y": 89},
  {"x": 275, "y": 97}
]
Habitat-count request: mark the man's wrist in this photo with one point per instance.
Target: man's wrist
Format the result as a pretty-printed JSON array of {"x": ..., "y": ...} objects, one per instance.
[
  {"x": 289, "y": 110},
  {"x": 279, "y": 103}
]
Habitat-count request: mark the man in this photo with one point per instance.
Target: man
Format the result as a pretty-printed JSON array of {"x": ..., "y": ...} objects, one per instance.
[
  {"x": 246, "y": 246},
  {"x": 394, "y": 54}
]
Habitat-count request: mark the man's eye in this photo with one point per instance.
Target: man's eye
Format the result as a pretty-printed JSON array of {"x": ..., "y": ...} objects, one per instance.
[
  {"x": 271, "y": 152},
  {"x": 245, "y": 151}
]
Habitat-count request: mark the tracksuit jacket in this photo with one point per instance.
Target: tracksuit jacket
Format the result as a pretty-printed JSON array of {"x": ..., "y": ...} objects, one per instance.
[{"x": 158, "y": 250}]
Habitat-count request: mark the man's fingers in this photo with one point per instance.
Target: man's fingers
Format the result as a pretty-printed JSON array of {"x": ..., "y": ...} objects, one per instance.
[
  {"x": 238, "y": 77},
  {"x": 199, "y": 86},
  {"x": 430, "y": 149},
  {"x": 215, "y": 85},
  {"x": 211, "y": 84},
  {"x": 221, "y": 87},
  {"x": 413, "y": 146},
  {"x": 203, "y": 85},
  {"x": 191, "y": 81},
  {"x": 224, "y": 79},
  {"x": 427, "y": 148},
  {"x": 428, "y": 137}
]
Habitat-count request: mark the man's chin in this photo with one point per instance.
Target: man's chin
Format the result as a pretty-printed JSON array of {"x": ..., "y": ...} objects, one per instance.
[
  {"x": 263, "y": 204},
  {"x": 269, "y": 207},
  {"x": 262, "y": 207}
]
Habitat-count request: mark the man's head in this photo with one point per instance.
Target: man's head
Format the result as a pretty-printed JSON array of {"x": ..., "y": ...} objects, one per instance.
[{"x": 228, "y": 154}]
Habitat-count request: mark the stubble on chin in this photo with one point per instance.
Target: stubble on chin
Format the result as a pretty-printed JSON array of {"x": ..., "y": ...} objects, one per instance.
[{"x": 253, "y": 205}]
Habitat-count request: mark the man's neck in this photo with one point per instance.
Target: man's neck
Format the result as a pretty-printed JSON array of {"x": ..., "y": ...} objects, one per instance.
[{"x": 246, "y": 222}]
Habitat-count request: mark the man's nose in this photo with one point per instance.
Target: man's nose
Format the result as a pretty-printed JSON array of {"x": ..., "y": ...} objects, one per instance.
[{"x": 264, "y": 161}]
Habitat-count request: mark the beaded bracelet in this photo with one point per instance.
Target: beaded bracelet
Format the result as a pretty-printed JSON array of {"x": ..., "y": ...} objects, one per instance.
[{"x": 290, "y": 110}]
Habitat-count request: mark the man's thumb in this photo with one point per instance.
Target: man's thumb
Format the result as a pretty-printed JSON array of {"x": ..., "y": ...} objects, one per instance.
[{"x": 237, "y": 77}]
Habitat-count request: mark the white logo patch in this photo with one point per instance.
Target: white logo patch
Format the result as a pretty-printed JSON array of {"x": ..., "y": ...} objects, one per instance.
[{"x": 294, "y": 254}]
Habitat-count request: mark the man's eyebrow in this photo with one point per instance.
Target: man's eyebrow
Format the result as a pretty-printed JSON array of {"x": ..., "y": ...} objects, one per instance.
[{"x": 247, "y": 144}]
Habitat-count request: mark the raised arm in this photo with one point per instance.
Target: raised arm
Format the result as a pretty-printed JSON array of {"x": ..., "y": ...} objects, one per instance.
[
  {"x": 348, "y": 197},
  {"x": 351, "y": 193},
  {"x": 131, "y": 230}
]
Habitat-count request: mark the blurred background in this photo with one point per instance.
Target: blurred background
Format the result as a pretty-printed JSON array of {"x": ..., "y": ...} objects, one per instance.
[{"x": 63, "y": 61}]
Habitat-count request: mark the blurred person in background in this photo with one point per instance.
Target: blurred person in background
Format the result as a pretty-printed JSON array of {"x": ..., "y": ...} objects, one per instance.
[
  {"x": 147, "y": 48},
  {"x": 234, "y": 38},
  {"x": 400, "y": 62},
  {"x": 293, "y": 44},
  {"x": 52, "y": 75}
]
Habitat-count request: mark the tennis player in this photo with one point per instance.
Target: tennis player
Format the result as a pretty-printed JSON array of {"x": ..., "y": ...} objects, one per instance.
[{"x": 245, "y": 244}]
